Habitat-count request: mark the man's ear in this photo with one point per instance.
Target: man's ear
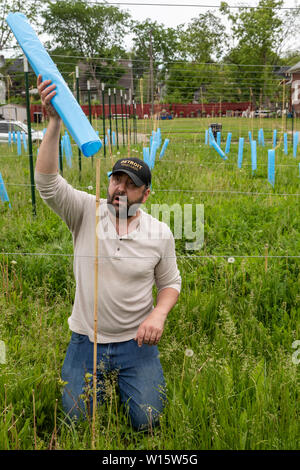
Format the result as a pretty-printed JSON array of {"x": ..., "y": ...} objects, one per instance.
[{"x": 146, "y": 195}]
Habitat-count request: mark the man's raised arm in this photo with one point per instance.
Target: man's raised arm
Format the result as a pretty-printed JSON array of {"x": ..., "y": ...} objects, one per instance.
[{"x": 47, "y": 159}]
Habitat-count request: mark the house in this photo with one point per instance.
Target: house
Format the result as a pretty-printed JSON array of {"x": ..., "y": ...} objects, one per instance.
[
  {"x": 294, "y": 73},
  {"x": 124, "y": 83},
  {"x": 2, "y": 82},
  {"x": 2, "y": 90}
]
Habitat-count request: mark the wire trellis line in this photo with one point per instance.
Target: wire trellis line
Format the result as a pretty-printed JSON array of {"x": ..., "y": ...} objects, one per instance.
[
  {"x": 209, "y": 191},
  {"x": 191, "y": 257}
]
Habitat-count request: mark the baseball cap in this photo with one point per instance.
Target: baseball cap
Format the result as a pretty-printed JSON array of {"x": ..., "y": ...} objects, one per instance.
[{"x": 137, "y": 169}]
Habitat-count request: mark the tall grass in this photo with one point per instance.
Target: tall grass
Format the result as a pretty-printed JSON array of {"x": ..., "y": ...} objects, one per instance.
[{"x": 240, "y": 388}]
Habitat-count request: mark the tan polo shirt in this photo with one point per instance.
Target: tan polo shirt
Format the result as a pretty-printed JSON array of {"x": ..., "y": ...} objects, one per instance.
[{"x": 129, "y": 265}]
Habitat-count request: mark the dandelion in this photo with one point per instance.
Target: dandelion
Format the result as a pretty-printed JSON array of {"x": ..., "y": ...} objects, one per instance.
[
  {"x": 189, "y": 352},
  {"x": 231, "y": 260},
  {"x": 13, "y": 262},
  {"x": 153, "y": 192},
  {"x": 90, "y": 188},
  {"x": 118, "y": 153}
]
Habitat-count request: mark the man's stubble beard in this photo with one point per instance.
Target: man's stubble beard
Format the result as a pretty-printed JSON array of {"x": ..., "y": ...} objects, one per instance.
[{"x": 126, "y": 209}]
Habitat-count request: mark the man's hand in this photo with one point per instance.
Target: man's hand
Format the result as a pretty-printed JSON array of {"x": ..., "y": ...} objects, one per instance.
[
  {"x": 47, "y": 92},
  {"x": 151, "y": 329}
]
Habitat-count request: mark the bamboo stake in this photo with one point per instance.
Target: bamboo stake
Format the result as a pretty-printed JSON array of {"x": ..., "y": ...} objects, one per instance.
[{"x": 96, "y": 274}]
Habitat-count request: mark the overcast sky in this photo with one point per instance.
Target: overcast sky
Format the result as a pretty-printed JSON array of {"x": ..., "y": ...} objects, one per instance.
[{"x": 172, "y": 16}]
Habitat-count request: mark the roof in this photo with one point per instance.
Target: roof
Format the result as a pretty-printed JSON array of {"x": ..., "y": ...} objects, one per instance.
[{"x": 294, "y": 68}]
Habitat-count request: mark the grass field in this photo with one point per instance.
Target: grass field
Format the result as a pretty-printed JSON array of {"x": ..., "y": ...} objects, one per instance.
[{"x": 240, "y": 387}]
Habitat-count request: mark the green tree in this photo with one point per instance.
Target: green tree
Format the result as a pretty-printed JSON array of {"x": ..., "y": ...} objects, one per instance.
[
  {"x": 258, "y": 35},
  {"x": 204, "y": 39},
  {"x": 201, "y": 42},
  {"x": 92, "y": 32},
  {"x": 30, "y": 8},
  {"x": 152, "y": 42}
]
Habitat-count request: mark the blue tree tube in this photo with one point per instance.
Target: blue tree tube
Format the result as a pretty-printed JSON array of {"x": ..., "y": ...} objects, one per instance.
[
  {"x": 218, "y": 149},
  {"x": 240, "y": 154},
  {"x": 285, "y": 143},
  {"x": 14, "y": 137},
  {"x": 19, "y": 143},
  {"x": 3, "y": 193},
  {"x": 219, "y": 138},
  {"x": 64, "y": 102},
  {"x": 259, "y": 137},
  {"x": 262, "y": 138},
  {"x": 274, "y": 138},
  {"x": 157, "y": 137},
  {"x": 206, "y": 137},
  {"x": 68, "y": 150},
  {"x": 164, "y": 147},
  {"x": 146, "y": 155},
  {"x": 271, "y": 166},
  {"x": 211, "y": 137},
  {"x": 228, "y": 141},
  {"x": 295, "y": 143},
  {"x": 24, "y": 141},
  {"x": 153, "y": 151},
  {"x": 69, "y": 146},
  {"x": 250, "y": 136},
  {"x": 214, "y": 144},
  {"x": 253, "y": 155}
]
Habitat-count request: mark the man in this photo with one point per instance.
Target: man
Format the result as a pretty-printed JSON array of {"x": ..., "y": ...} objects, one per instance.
[{"x": 135, "y": 251}]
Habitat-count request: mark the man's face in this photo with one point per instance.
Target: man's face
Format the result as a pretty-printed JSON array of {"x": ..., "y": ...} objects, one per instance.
[{"x": 123, "y": 196}]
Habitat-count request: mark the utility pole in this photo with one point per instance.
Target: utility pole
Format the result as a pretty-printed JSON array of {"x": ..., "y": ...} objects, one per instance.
[{"x": 151, "y": 73}]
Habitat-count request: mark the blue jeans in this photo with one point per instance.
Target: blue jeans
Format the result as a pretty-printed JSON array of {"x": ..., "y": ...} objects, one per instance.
[{"x": 139, "y": 375}]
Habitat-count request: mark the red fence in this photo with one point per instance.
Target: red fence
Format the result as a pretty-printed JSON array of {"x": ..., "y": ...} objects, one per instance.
[{"x": 174, "y": 109}]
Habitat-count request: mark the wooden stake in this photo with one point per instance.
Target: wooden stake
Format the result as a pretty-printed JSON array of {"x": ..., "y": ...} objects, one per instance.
[{"x": 96, "y": 275}]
